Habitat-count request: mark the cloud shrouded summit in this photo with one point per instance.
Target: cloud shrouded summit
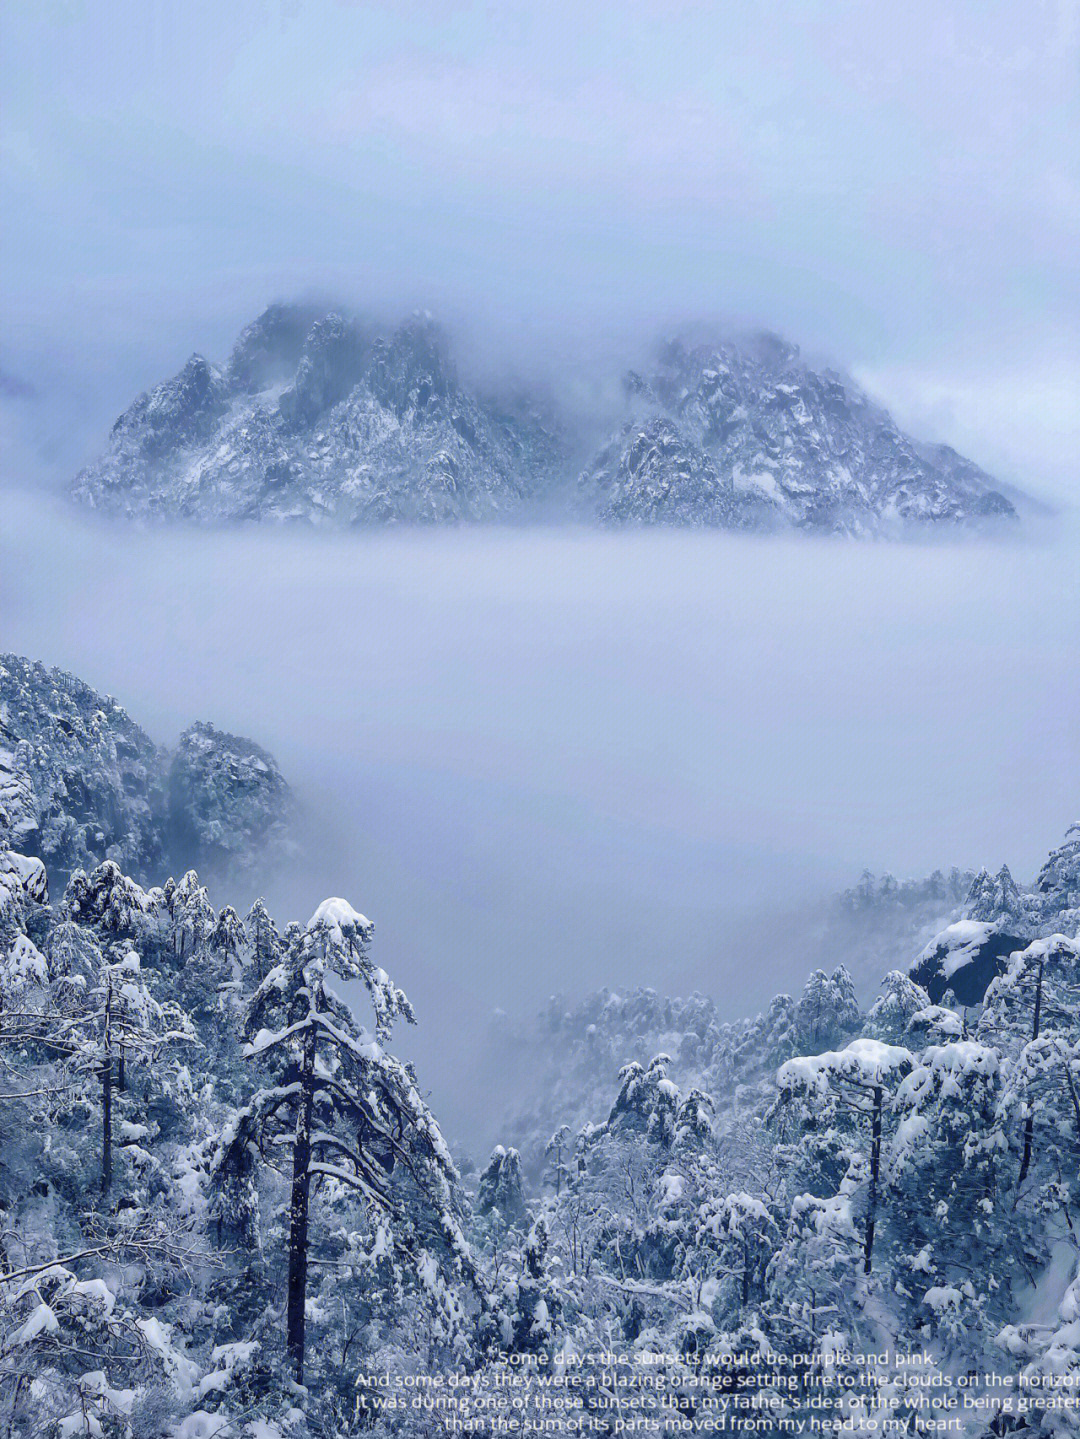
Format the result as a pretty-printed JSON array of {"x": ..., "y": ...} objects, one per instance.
[
  {"x": 320, "y": 417},
  {"x": 897, "y": 190}
]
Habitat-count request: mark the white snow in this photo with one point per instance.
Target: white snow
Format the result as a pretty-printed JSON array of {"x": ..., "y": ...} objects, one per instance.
[
  {"x": 960, "y": 941},
  {"x": 41, "y": 1321},
  {"x": 864, "y": 1061},
  {"x": 337, "y": 915},
  {"x": 670, "y": 1189}
]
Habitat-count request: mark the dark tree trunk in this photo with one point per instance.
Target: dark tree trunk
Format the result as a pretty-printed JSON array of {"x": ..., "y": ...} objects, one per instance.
[
  {"x": 106, "y": 1125},
  {"x": 1073, "y": 1096},
  {"x": 875, "y": 1171},
  {"x": 106, "y": 1099},
  {"x": 1029, "y": 1122},
  {"x": 298, "y": 1213}
]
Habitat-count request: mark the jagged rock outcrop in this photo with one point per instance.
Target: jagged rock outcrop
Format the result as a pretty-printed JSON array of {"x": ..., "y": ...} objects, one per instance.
[
  {"x": 81, "y": 783},
  {"x": 746, "y": 434},
  {"x": 654, "y": 474},
  {"x": 963, "y": 959},
  {"x": 229, "y": 807},
  {"x": 319, "y": 417},
  {"x": 85, "y": 781}
]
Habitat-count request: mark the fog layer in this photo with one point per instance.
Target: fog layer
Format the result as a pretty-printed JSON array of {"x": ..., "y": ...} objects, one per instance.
[{"x": 552, "y": 760}]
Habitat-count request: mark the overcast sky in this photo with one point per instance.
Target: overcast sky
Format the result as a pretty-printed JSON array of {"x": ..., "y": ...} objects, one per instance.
[{"x": 895, "y": 185}]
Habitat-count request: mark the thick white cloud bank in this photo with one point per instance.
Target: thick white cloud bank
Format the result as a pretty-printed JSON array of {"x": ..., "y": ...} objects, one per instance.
[{"x": 548, "y": 760}]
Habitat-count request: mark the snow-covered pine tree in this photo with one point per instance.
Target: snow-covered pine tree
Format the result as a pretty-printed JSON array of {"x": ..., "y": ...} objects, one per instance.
[
  {"x": 899, "y": 1001},
  {"x": 827, "y": 1011},
  {"x": 228, "y": 934},
  {"x": 350, "y": 1112},
  {"x": 120, "y": 1023},
  {"x": 557, "y": 1151},
  {"x": 107, "y": 900},
  {"x": 193, "y": 917},
  {"x": 1031, "y": 1014},
  {"x": 859, "y": 1081},
  {"x": 264, "y": 942}
]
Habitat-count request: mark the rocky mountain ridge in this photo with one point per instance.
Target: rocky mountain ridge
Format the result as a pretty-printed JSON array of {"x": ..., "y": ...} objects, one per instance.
[{"x": 320, "y": 417}]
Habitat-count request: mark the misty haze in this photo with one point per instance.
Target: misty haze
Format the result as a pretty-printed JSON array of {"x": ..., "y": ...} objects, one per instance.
[{"x": 553, "y": 760}]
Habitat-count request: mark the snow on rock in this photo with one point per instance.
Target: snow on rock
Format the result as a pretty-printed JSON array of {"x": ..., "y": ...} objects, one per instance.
[
  {"x": 81, "y": 783},
  {"x": 744, "y": 434},
  {"x": 965, "y": 958},
  {"x": 318, "y": 417},
  {"x": 960, "y": 943}
]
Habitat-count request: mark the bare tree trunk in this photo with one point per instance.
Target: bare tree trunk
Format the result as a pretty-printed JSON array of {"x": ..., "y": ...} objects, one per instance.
[
  {"x": 106, "y": 1126},
  {"x": 1073, "y": 1096},
  {"x": 875, "y": 1171},
  {"x": 298, "y": 1213},
  {"x": 106, "y": 1098},
  {"x": 1029, "y": 1122},
  {"x": 15, "y": 1405}
]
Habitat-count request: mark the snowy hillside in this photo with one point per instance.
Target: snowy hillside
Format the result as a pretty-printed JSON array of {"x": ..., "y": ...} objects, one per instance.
[
  {"x": 319, "y": 418},
  {"x": 748, "y": 436}
]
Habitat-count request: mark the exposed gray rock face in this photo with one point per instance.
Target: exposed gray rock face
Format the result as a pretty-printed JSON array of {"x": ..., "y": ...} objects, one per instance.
[
  {"x": 81, "y": 783},
  {"x": 964, "y": 959},
  {"x": 746, "y": 435},
  {"x": 652, "y": 474},
  {"x": 318, "y": 418}
]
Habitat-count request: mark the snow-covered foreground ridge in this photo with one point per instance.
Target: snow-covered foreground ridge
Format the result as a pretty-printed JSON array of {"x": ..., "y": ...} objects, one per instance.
[
  {"x": 227, "y": 1209},
  {"x": 318, "y": 417}
]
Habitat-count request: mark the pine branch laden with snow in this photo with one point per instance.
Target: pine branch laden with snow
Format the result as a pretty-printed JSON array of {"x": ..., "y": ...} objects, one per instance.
[{"x": 349, "y": 1110}]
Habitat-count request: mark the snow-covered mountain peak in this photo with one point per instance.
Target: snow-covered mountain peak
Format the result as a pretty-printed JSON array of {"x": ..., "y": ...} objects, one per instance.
[
  {"x": 322, "y": 416},
  {"x": 775, "y": 443}
]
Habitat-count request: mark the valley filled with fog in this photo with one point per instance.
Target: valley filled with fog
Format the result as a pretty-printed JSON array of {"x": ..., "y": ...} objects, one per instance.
[{"x": 550, "y": 760}]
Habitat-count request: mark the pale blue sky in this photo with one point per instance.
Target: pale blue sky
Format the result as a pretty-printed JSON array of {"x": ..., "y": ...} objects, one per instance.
[{"x": 893, "y": 185}]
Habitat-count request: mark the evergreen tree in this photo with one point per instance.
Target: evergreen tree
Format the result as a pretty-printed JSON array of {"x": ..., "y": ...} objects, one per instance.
[
  {"x": 350, "y": 1112},
  {"x": 859, "y": 1081},
  {"x": 263, "y": 940}
]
